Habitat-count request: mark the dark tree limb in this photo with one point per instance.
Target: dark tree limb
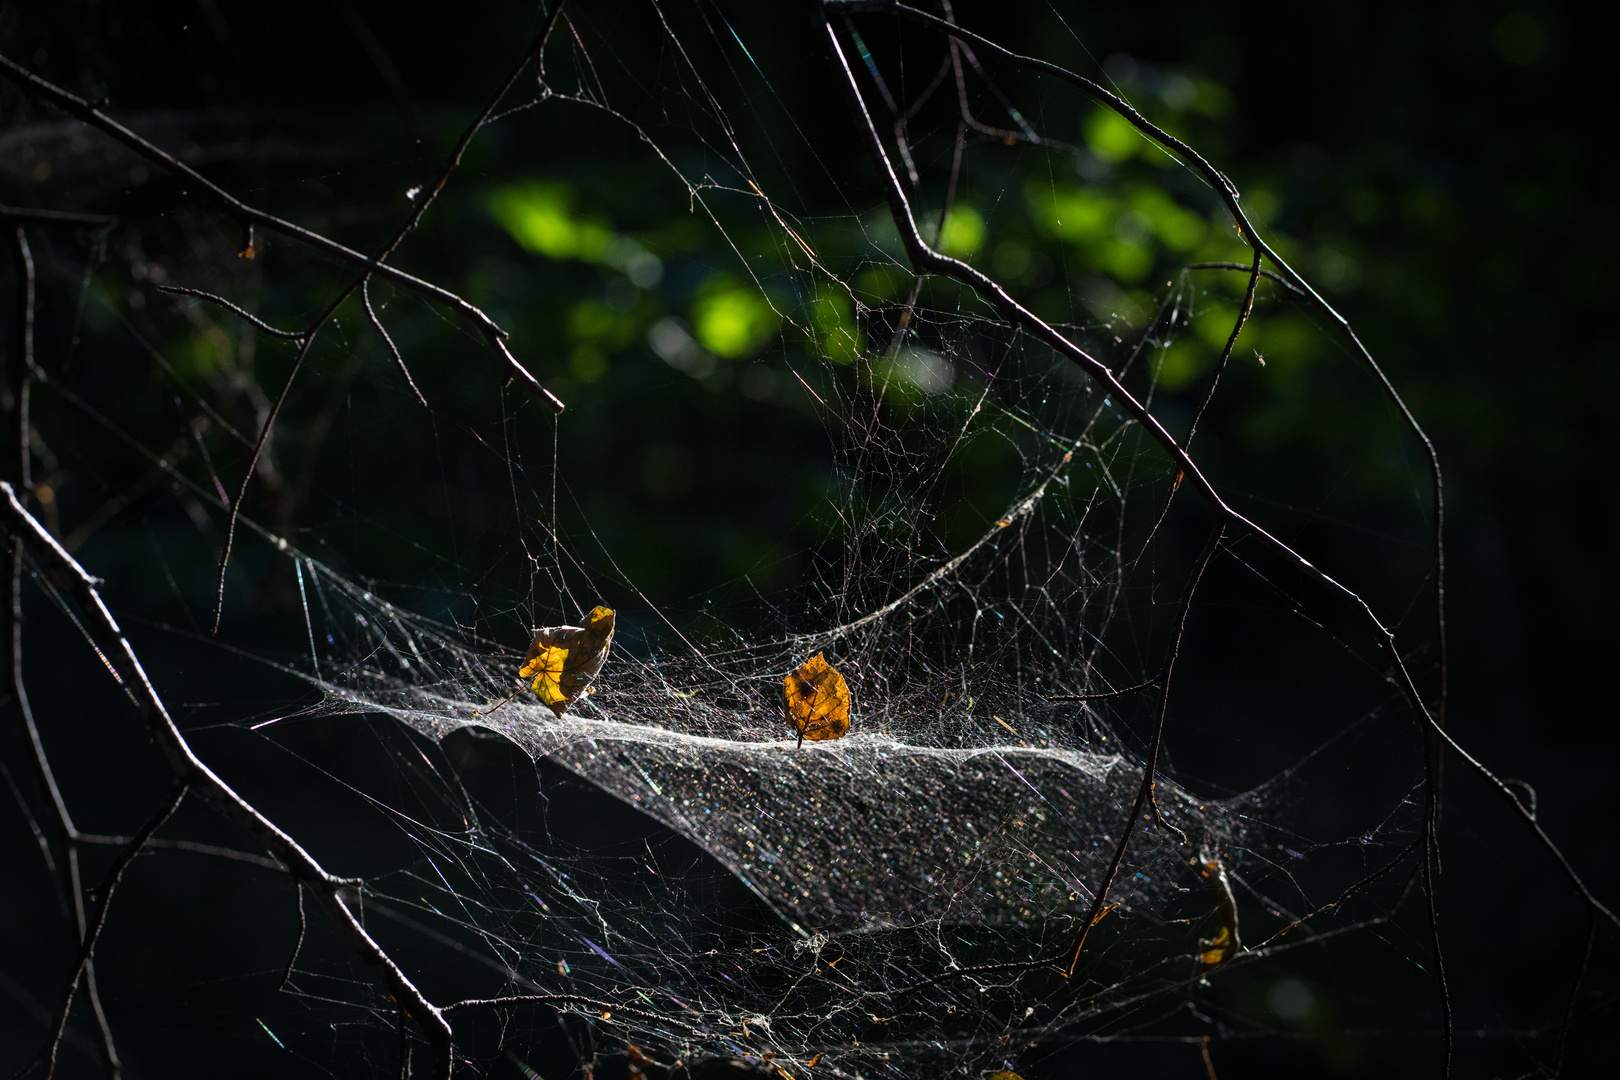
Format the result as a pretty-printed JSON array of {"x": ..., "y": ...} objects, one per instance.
[
  {"x": 327, "y": 889},
  {"x": 298, "y": 945},
  {"x": 1574, "y": 995},
  {"x": 1404, "y": 854},
  {"x": 192, "y": 846},
  {"x": 393, "y": 350},
  {"x": 1431, "y": 859},
  {"x": 1269, "y": 275}
]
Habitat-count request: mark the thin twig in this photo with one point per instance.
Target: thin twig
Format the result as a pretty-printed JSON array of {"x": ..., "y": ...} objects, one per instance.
[
  {"x": 190, "y": 846},
  {"x": 375, "y": 265},
  {"x": 385, "y": 69},
  {"x": 1144, "y": 790},
  {"x": 181, "y": 290},
  {"x": 1269, "y": 275},
  {"x": 1430, "y": 857},
  {"x": 23, "y": 371},
  {"x": 1574, "y": 995},
  {"x": 1226, "y": 353},
  {"x": 199, "y": 184},
  {"x": 1404, "y": 854},
  {"x": 298, "y": 945},
  {"x": 1105, "y": 695},
  {"x": 393, "y": 350},
  {"x": 234, "y": 512},
  {"x": 98, "y": 919}
]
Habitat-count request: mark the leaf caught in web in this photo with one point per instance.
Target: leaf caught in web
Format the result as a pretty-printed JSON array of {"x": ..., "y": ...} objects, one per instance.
[
  {"x": 817, "y": 701},
  {"x": 563, "y": 660},
  {"x": 1225, "y": 944}
]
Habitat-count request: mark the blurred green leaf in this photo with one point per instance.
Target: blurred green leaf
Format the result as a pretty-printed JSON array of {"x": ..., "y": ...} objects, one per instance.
[
  {"x": 963, "y": 232},
  {"x": 731, "y": 320},
  {"x": 540, "y": 218},
  {"x": 1111, "y": 136}
]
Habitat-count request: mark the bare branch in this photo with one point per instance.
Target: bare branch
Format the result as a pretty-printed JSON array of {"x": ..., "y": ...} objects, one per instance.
[
  {"x": 98, "y": 919},
  {"x": 1144, "y": 790},
  {"x": 298, "y": 945},
  {"x": 393, "y": 350},
  {"x": 189, "y": 769},
  {"x": 1226, "y": 353},
  {"x": 22, "y": 374},
  {"x": 1228, "y": 194},
  {"x": 1270, "y": 275},
  {"x": 241, "y": 313},
  {"x": 375, "y": 265},
  {"x": 1106, "y": 694},
  {"x": 92, "y": 115}
]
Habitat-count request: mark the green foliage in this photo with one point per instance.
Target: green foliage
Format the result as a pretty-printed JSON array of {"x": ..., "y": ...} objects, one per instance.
[
  {"x": 731, "y": 319},
  {"x": 540, "y": 217},
  {"x": 963, "y": 232}
]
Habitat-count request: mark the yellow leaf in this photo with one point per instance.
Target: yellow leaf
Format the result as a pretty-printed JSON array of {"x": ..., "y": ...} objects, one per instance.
[
  {"x": 817, "y": 701},
  {"x": 563, "y": 660},
  {"x": 1225, "y": 944}
]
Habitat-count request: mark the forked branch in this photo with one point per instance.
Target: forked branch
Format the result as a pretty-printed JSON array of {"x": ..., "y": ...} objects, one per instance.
[
  {"x": 22, "y": 373},
  {"x": 196, "y": 183},
  {"x": 328, "y": 889},
  {"x": 1228, "y": 194},
  {"x": 926, "y": 260},
  {"x": 98, "y": 919}
]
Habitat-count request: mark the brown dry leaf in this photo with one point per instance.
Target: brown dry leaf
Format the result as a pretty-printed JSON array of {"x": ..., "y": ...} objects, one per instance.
[
  {"x": 563, "y": 660},
  {"x": 817, "y": 701}
]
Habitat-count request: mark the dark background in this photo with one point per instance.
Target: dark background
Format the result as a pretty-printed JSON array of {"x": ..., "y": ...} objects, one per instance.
[{"x": 1435, "y": 167}]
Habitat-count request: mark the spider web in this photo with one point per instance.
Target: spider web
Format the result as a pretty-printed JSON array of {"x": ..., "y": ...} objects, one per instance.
[
  {"x": 964, "y": 825},
  {"x": 917, "y": 876}
]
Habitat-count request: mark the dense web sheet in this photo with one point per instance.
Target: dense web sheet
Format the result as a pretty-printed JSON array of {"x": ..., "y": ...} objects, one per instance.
[
  {"x": 903, "y": 852},
  {"x": 999, "y": 559},
  {"x": 893, "y": 828}
]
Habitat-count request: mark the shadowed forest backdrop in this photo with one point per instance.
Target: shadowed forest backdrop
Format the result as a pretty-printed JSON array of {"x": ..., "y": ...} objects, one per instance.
[{"x": 1426, "y": 167}]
